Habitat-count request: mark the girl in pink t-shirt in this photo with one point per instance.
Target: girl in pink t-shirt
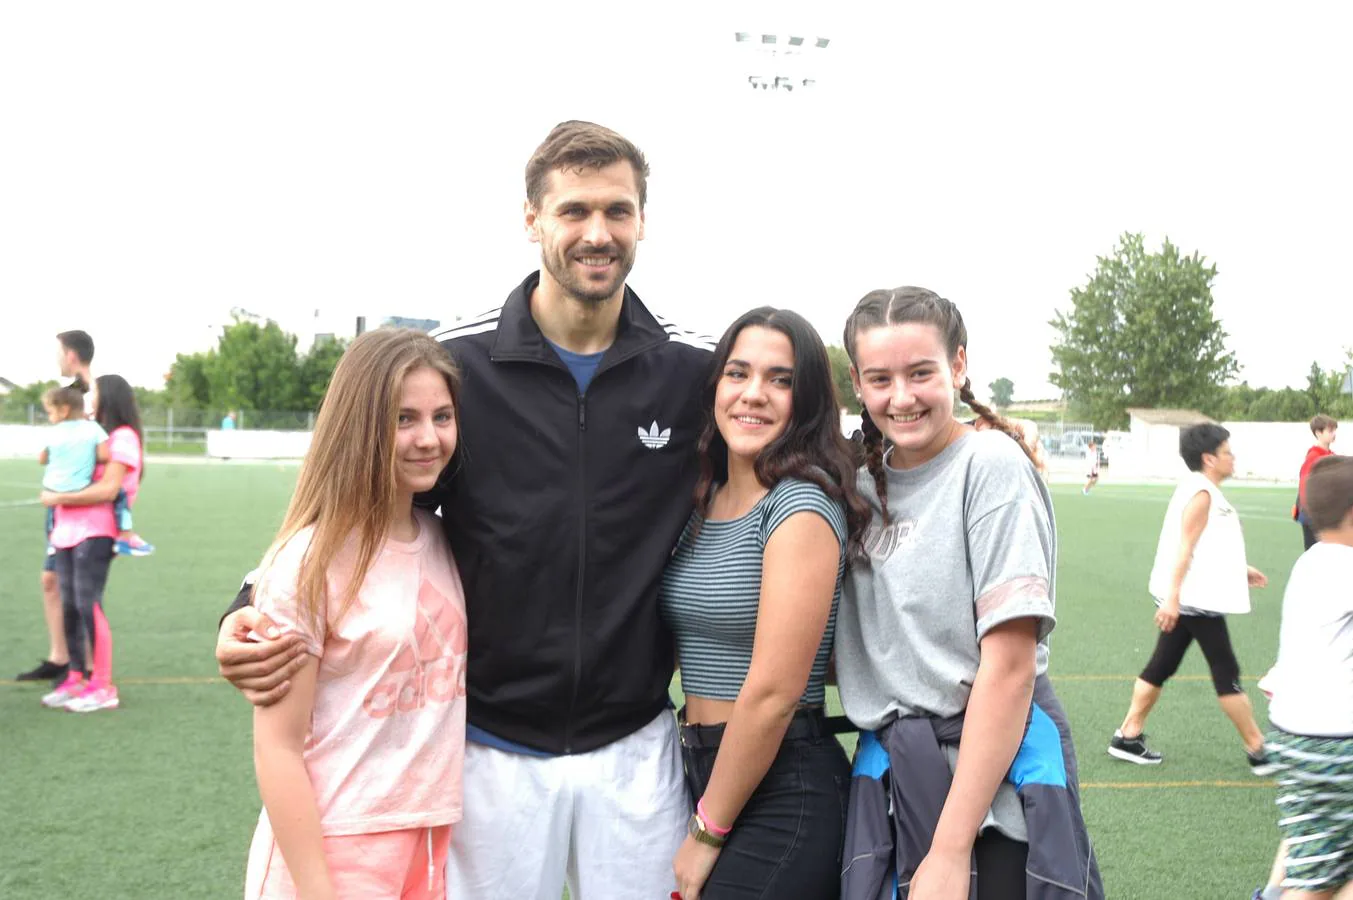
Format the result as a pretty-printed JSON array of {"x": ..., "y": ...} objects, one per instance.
[
  {"x": 84, "y": 529},
  {"x": 359, "y": 765}
]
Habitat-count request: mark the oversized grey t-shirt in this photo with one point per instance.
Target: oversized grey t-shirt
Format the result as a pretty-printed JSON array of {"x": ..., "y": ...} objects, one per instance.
[{"x": 971, "y": 544}]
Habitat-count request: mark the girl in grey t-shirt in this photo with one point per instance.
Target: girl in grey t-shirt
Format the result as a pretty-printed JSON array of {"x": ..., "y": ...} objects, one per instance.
[{"x": 947, "y": 619}]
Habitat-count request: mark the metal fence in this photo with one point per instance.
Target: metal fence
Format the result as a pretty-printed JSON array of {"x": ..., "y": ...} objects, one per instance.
[{"x": 179, "y": 430}]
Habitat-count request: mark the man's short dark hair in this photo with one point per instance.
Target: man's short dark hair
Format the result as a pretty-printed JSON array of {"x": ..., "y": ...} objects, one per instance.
[
  {"x": 577, "y": 146},
  {"x": 1196, "y": 441},
  {"x": 1329, "y": 492},
  {"x": 80, "y": 342}
]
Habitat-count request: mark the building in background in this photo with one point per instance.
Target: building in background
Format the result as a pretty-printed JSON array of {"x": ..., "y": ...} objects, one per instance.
[{"x": 428, "y": 325}]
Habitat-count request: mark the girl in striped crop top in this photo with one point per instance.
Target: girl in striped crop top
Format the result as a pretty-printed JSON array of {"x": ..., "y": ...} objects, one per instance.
[{"x": 751, "y": 594}]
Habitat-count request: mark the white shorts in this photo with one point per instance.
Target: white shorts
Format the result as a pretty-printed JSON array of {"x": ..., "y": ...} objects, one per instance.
[{"x": 608, "y": 822}]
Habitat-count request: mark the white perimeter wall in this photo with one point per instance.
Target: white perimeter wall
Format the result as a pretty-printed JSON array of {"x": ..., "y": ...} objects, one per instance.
[
  {"x": 27, "y": 441},
  {"x": 1265, "y": 451}
]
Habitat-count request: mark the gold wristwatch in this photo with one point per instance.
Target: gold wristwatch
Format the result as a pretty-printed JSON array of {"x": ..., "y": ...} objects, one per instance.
[{"x": 697, "y": 830}]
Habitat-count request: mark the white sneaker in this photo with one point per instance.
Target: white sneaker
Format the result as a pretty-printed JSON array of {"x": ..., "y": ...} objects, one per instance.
[
  {"x": 95, "y": 700},
  {"x": 65, "y": 693}
]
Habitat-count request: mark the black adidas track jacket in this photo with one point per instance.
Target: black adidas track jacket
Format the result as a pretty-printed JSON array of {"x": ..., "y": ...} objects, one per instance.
[{"x": 561, "y": 511}]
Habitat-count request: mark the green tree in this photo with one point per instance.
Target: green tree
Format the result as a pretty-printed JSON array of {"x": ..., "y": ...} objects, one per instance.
[
  {"x": 1319, "y": 387},
  {"x": 1286, "y": 405},
  {"x": 1236, "y": 402},
  {"x": 31, "y": 394},
  {"x": 315, "y": 370},
  {"x": 189, "y": 384},
  {"x": 845, "y": 389},
  {"x": 24, "y": 402},
  {"x": 1141, "y": 332},
  {"x": 255, "y": 368},
  {"x": 1002, "y": 392}
]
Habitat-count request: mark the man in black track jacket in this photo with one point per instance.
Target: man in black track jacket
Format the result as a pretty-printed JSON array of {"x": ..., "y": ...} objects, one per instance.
[{"x": 579, "y": 414}]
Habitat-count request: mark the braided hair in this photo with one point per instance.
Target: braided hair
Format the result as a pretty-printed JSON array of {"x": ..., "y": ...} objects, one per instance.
[{"x": 900, "y": 306}]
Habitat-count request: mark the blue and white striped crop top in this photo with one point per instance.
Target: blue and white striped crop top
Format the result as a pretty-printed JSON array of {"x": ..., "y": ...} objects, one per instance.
[{"x": 711, "y": 589}]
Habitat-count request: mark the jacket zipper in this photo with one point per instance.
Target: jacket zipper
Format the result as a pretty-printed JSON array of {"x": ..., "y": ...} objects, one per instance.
[
  {"x": 582, "y": 512},
  {"x": 582, "y": 573}
]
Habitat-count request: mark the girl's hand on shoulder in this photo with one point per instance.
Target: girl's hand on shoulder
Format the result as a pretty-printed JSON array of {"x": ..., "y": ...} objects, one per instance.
[
  {"x": 692, "y": 865},
  {"x": 942, "y": 876}
]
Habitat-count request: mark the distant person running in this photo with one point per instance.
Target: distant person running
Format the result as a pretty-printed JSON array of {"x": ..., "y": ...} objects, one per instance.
[
  {"x": 1091, "y": 466},
  {"x": 1311, "y": 712},
  {"x": 1200, "y": 575},
  {"x": 359, "y": 765},
  {"x": 1324, "y": 429}
]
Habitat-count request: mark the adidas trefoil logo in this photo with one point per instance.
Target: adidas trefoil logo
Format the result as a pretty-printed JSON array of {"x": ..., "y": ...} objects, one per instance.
[{"x": 654, "y": 439}]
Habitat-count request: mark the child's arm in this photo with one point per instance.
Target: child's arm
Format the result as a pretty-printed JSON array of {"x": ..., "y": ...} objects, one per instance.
[
  {"x": 283, "y": 783},
  {"x": 993, "y": 728},
  {"x": 101, "y": 452},
  {"x": 42, "y": 457}
]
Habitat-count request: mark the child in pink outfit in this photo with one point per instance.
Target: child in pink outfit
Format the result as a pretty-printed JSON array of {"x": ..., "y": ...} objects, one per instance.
[
  {"x": 389, "y": 697},
  {"x": 359, "y": 764}
]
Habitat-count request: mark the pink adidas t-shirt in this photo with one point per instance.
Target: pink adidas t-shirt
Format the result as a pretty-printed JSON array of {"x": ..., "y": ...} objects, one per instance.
[
  {"x": 74, "y": 525},
  {"x": 387, "y": 735}
]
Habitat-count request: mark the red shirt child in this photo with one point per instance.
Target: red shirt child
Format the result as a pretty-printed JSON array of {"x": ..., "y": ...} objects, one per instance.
[{"x": 1324, "y": 428}]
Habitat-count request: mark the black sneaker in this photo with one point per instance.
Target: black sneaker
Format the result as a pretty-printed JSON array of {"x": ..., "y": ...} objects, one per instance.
[
  {"x": 1133, "y": 750},
  {"x": 1260, "y": 763},
  {"x": 47, "y": 671}
]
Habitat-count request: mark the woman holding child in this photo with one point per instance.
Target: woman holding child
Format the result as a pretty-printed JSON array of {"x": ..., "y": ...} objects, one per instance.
[{"x": 85, "y": 527}]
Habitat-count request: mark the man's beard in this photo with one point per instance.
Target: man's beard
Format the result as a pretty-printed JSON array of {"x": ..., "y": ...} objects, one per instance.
[{"x": 581, "y": 288}]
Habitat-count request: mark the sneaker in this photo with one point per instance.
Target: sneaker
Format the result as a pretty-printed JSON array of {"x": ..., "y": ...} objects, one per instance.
[
  {"x": 134, "y": 545},
  {"x": 1133, "y": 750},
  {"x": 46, "y": 671},
  {"x": 67, "y": 691},
  {"x": 1260, "y": 763},
  {"x": 94, "y": 700}
]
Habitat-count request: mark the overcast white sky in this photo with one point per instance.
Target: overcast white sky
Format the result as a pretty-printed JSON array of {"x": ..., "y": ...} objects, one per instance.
[{"x": 163, "y": 162}]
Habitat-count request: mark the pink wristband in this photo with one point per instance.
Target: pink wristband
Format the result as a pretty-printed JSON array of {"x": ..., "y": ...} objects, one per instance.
[{"x": 709, "y": 823}]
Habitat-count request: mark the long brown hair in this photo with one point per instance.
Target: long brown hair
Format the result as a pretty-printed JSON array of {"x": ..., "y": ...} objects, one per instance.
[
  {"x": 812, "y": 447},
  {"x": 905, "y": 305},
  {"x": 347, "y": 487}
]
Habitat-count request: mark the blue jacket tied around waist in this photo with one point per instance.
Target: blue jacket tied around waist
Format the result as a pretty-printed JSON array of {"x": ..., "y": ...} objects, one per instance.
[{"x": 892, "y": 818}]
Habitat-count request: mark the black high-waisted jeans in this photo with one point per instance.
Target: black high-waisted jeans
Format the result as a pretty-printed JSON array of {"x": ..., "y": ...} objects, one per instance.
[
  {"x": 787, "y": 841},
  {"x": 82, "y": 572}
]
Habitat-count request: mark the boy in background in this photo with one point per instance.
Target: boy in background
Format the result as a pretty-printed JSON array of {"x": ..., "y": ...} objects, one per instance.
[
  {"x": 1311, "y": 712},
  {"x": 1324, "y": 428}
]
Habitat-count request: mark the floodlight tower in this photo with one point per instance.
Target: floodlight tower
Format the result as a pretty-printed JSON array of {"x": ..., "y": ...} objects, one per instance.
[{"x": 781, "y": 62}]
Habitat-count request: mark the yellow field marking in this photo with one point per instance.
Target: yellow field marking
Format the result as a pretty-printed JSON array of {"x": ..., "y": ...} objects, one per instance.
[
  {"x": 165, "y": 680},
  {"x": 1138, "y": 785},
  {"x": 1057, "y": 679}
]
